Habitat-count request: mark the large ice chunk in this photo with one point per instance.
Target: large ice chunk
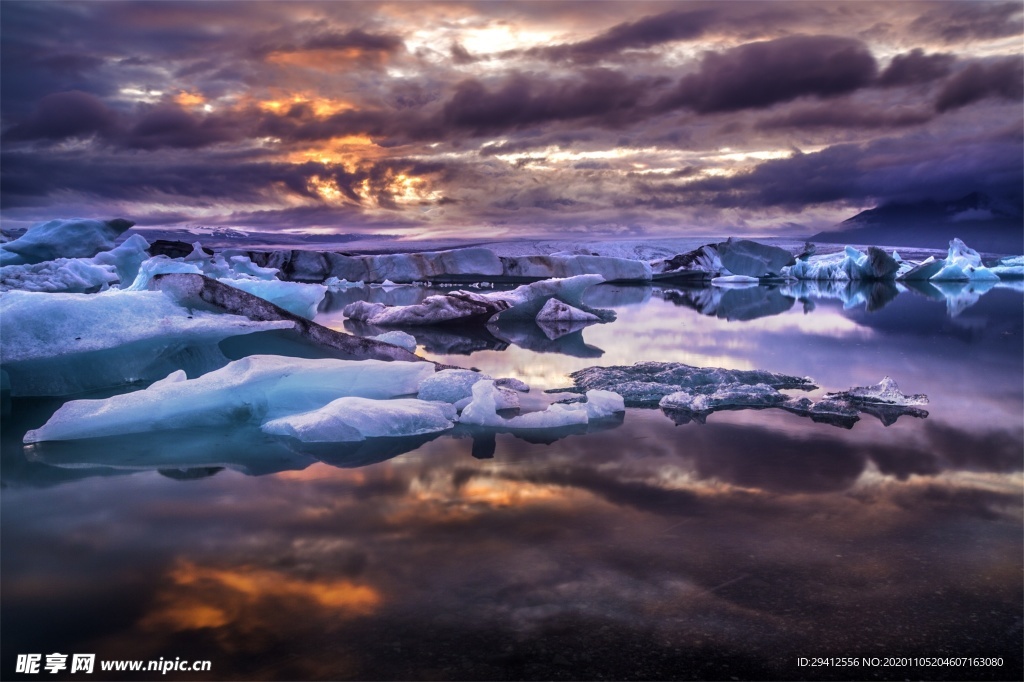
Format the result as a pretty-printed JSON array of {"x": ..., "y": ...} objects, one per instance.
[
  {"x": 60, "y": 344},
  {"x": 354, "y": 419},
  {"x": 563, "y": 266},
  {"x": 295, "y": 297},
  {"x": 745, "y": 257},
  {"x": 849, "y": 264},
  {"x": 963, "y": 264},
  {"x": 72, "y": 275},
  {"x": 524, "y": 303},
  {"x": 450, "y": 385},
  {"x": 483, "y": 411},
  {"x": 701, "y": 263},
  {"x": 75, "y": 238},
  {"x": 255, "y": 389},
  {"x": 1011, "y": 267},
  {"x": 397, "y": 338}
]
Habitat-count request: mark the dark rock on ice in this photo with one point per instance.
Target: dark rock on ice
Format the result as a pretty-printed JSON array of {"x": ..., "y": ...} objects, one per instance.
[{"x": 174, "y": 248}]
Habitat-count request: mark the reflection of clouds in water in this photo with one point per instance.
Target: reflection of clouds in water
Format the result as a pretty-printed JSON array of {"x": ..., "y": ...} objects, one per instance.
[{"x": 738, "y": 536}]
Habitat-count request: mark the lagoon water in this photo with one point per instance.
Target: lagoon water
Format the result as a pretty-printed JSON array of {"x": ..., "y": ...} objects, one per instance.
[{"x": 638, "y": 550}]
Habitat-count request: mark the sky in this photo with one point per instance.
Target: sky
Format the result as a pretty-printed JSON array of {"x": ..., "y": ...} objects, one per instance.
[{"x": 505, "y": 119}]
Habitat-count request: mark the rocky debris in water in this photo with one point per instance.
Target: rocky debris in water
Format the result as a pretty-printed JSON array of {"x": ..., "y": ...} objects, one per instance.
[
  {"x": 884, "y": 401},
  {"x": 196, "y": 290},
  {"x": 646, "y": 383},
  {"x": 885, "y": 392}
]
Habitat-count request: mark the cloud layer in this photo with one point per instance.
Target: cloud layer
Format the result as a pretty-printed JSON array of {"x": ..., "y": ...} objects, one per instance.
[{"x": 520, "y": 118}]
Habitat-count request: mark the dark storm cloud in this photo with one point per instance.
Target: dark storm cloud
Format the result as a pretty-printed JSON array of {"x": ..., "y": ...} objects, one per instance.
[
  {"x": 916, "y": 67},
  {"x": 843, "y": 114},
  {"x": 172, "y": 126},
  {"x": 640, "y": 34},
  {"x": 761, "y": 74},
  {"x": 1003, "y": 79},
  {"x": 65, "y": 114},
  {"x": 963, "y": 21},
  {"x": 599, "y": 95},
  {"x": 909, "y": 168}
]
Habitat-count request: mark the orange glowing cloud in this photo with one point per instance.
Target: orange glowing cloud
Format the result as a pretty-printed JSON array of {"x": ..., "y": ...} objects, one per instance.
[
  {"x": 207, "y": 597},
  {"x": 326, "y": 59},
  {"x": 189, "y": 99}
]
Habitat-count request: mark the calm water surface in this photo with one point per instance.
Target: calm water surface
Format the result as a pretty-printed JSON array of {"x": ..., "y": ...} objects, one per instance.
[{"x": 640, "y": 549}]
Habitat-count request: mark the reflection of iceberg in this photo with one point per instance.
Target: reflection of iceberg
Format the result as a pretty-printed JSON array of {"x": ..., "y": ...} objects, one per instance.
[
  {"x": 347, "y": 455},
  {"x": 460, "y": 340},
  {"x": 733, "y": 304},
  {"x": 534, "y": 338},
  {"x": 245, "y": 450},
  {"x": 959, "y": 296},
  {"x": 962, "y": 295},
  {"x": 873, "y": 294}
]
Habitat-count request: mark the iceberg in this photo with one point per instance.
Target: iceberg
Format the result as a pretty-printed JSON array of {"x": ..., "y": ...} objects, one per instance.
[
  {"x": 557, "y": 311},
  {"x": 646, "y": 383},
  {"x": 483, "y": 410},
  {"x": 75, "y": 238},
  {"x": 563, "y": 266},
  {"x": 68, "y": 275},
  {"x": 524, "y": 302},
  {"x": 701, "y": 263},
  {"x": 78, "y": 275},
  {"x": 58, "y": 344},
  {"x": 449, "y": 385},
  {"x": 1011, "y": 267},
  {"x": 198, "y": 291},
  {"x": 748, "y": 258},
  {"x": 885, "y": 392},
  {"x": 255, "y": 389},
  {"x": 397, "y": 338},
  {"x": 295, "y": 297},
  {"x": 963, "y": 264},
  {"x": 312, "y": 266},
  {"x": 355, "y": 419},
  {"x": 849, "y": 264}
]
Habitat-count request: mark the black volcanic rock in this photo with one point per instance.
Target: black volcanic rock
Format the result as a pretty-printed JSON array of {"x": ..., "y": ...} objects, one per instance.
[{"x": 982, "y": 222}]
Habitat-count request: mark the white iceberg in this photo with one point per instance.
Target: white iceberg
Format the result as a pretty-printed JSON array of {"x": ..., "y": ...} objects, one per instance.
[
  {"x": 296, "y": 297},
  {"x": 61, "y": 344},
  {"x": 450, "y": 385},
  {"x": 963, "y": 264},
  {"x": 355, "y": 419},
  {"x": 1011, "y": 267},
  {"x": 524, "y": 303},
  {"x": 75, "y": 238},
  {"x": 849, "y": 264},
  {"x": 398, "y": 338},
  {"x": 71, "y": 275},
  {"x": 557, "y": 311},
  {"x": 563, "y": 266},
  {"x": 78, "y": 275},
  {"x": 483, "y": 410},
  {"x": 255, "y": 389}
]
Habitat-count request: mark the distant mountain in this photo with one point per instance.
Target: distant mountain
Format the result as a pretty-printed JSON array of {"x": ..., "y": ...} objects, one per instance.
[{"x": 983, "y": 223}]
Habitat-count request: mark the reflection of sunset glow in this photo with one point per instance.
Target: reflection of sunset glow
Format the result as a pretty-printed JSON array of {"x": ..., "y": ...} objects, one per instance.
[
  {"x": 319, "y": 470},
  {"x": 206, "y": 597}
]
